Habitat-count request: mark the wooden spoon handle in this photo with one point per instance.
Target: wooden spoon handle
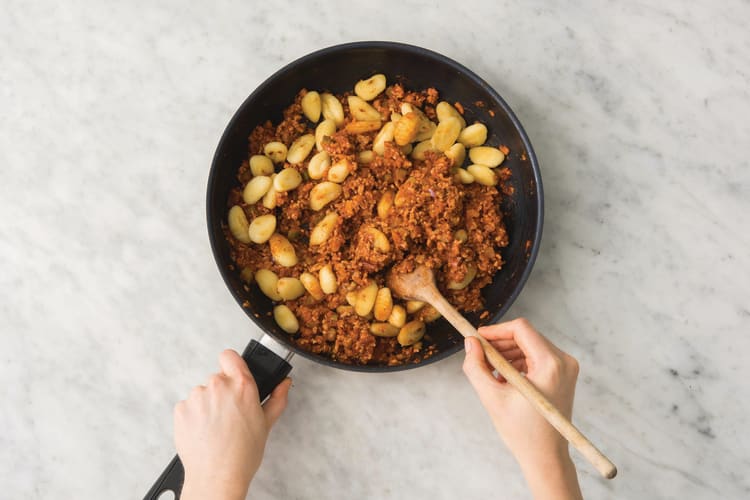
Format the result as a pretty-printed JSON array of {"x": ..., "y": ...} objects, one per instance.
[{"x": 529, "y": 391}]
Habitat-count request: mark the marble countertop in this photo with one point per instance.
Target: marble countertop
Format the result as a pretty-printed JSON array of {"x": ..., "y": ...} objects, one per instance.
[{"x": 112, "y": 307}]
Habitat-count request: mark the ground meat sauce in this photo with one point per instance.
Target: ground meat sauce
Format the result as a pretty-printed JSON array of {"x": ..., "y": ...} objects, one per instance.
[{"x": 429, "y": 207}]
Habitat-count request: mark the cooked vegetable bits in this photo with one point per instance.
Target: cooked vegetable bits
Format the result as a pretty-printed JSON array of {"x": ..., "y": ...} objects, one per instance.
[{"x": 346, "y": 188}]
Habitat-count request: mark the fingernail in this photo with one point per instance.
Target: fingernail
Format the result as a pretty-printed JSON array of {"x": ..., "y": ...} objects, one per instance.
[{"x": 467, "y": 345}]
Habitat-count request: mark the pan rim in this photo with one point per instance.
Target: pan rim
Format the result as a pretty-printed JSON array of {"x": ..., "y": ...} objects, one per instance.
[{"x": 415, "y": 50}]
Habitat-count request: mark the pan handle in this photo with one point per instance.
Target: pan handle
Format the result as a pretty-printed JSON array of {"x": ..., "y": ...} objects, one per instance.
[{"x": 269, "y": 370}]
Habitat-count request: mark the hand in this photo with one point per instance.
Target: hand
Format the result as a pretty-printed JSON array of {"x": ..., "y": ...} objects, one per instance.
[
  {"x": 539, "y": 449},
  {"x": 220, "y": 431}
]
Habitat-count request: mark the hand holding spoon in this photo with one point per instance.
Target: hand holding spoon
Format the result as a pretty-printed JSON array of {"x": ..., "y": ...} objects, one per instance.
[{"x": 420, "y": 285}]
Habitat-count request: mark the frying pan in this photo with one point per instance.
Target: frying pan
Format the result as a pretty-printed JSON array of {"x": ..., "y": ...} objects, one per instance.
[{"x": 336, "y": 69}]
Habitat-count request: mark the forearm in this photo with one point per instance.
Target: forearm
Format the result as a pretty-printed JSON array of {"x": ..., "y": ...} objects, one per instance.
[{"x": 552, "y": 476}]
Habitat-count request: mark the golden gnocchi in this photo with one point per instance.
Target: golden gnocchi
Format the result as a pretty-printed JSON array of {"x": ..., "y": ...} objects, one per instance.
[{"x": 350, "y": 186}]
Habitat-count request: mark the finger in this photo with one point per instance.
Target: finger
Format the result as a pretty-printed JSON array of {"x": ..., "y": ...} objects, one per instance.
[
  {"x": 512, "y": 354},
  {"x": 215, "y": 379},
  {"x": 503, "y": 345},
  {"x": 531, "y": 342},
  {"x": 476, "y": 368},
  {"x": 233, "y": 365},
  {"x": 196, "y": 396},
  {"x": 498, "y": 332},
  {"x": 520, "y": 365},
  {"x": 274, "y": 406},
  {"x": 196, "y": 391},
  {"x": 179, "y": 409}
]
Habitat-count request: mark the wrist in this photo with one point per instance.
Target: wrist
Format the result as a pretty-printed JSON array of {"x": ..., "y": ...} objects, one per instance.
[
  {"x": 553, "y": 454},
  {"x": 551, "y": 474},
  {"x": 212, "y": 489}
]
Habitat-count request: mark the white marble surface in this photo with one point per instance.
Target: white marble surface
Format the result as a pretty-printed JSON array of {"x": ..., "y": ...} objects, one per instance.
[{"x": 112, "y": 307}]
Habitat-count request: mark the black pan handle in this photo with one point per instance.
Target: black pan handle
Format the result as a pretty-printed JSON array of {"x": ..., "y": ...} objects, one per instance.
[{"x": 269, "y": 370}]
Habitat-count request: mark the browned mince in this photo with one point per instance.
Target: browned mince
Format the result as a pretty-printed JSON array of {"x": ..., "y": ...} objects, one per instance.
[{"x": 421, "y": 231}]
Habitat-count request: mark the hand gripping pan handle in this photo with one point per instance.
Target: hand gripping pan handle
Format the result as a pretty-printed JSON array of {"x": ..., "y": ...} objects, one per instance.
[{"x": 269, "y": 370}]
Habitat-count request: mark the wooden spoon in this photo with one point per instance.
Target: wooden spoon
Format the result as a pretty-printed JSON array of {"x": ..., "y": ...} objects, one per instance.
[{"x": 420, "y": 285}]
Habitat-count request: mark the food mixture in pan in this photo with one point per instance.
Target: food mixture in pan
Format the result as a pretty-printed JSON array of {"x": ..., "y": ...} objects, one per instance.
[{"x": 347, "y": 187}]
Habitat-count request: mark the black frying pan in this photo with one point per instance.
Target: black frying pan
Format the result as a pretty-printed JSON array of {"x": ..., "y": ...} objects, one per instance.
[{"x": 336, "y": 69}]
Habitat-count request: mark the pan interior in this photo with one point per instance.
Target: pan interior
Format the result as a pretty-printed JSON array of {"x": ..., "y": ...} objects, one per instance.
[{"x": 336, "y": 69}]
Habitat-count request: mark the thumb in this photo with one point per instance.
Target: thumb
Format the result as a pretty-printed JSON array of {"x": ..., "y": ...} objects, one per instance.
[
  {"x": 274, "y": 406},
  {"x": 476, "y": 368}
]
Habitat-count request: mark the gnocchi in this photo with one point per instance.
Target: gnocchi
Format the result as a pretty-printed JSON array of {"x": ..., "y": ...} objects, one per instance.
[
  {"x": 323, "y": 194},
  {"x": 473, "y": 135},
  {"x": 366, "y": 157},
  {"x": 339, "y": 171},
  {"x": 405, "y": 130},
  {"x": 464, "y": 176},
  {"x": 471, "y": 273},
  {"x": 487, "y": 156},
  {"x": 457, "y": 154},
  {"x": 269, "y": 199},
  {"x": 324, "y": 229},
  {"x": 286, "y": 180},
  {"x": 238, "y": 224},
  {"x": 446, "y": 134},
  {"x": 411, "y": 333},
  {"x": 361, "y": 110},
  {"x": 261, "y": 165},
  {"x": 256, "y": 188},
  {"x": 383, "y": 304},
  {"x": 311, "y": 106},
  {"x": 362, "y": 126},
  {"x": 445, "y": 110},
  {"x": 300, "y": 149},
  {"x": 379, "y": 240},
  {"x": 365, "y": 299},
  {"x": 319, "y": 165},
  {"x": 326, "y": 128},
  {"x": 285, "y": 318},
  {"x": 385, "y": 135},
  {"x": 282, "y": 251},
  {"x": 275, "y": 151},
  {"x": 383, "y": 329},
  {"x": 328, "y": 282},
  {"x": 372, "y": 87},
  {"x": 483, "y": 175},
  {"x": 385, "y": 203},
  {"x": 347, "y": 177},
  {"x": 421, "y": 148},
  {"x": 332, "y": 109},
  {"x": 261, "y": 228},
  {"x": 312, "y": 285},
  {"x": 290, "y": 288},
  {"x": 397, "y": 317},
  {"x": 268, "y": 281}
]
